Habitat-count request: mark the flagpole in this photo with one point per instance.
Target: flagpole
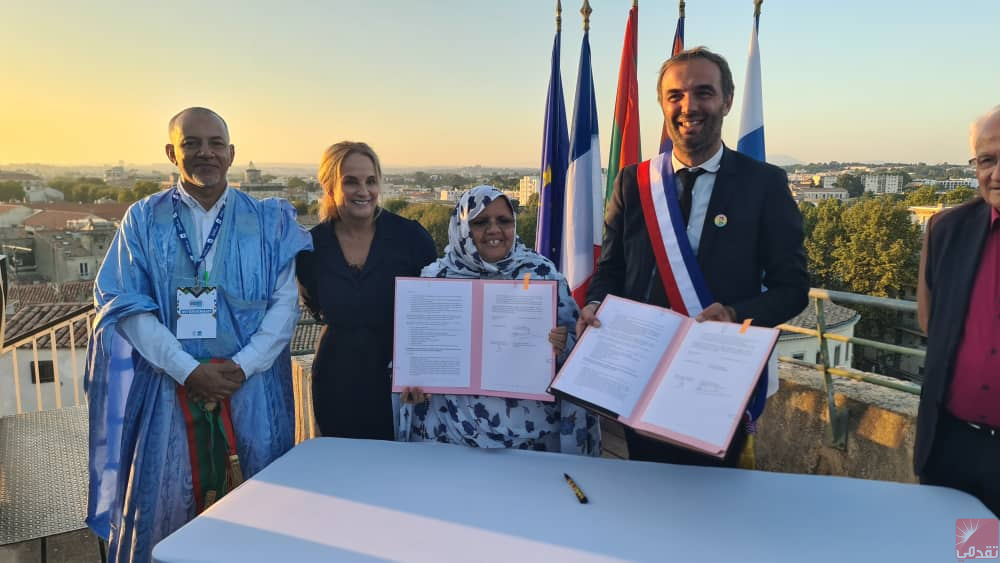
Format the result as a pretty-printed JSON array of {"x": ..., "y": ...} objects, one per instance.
[
  {"x": 680, "y": 8},
  {"x": 756, "y": 7},
  {"x": 586, "y": 11},
  {"x": 558, "y": 16}
]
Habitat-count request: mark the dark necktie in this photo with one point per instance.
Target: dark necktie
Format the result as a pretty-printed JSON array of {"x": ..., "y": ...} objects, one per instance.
[{"x": 685, "y": 179}]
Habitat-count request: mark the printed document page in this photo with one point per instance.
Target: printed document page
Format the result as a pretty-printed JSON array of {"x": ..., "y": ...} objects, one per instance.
[
  {"x": 612, "y": 364},
  {"x": 517, "y": 355},
  {"x": 705, "y": 385},
  {"x": 433, "y": 333}
]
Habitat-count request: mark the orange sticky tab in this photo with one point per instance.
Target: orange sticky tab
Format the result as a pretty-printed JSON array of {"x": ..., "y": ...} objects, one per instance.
[
  {"x": 746, "y": 325},
  {"x": 527, "y": 278}
]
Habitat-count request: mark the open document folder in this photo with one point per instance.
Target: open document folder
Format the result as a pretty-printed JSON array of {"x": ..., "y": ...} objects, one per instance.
[
  {"x": 666, "y": 375},
  {"x": 474, "y": 337}
]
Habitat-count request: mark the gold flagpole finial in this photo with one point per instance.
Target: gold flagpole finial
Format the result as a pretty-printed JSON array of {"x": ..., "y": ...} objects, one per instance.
[
  {"x": 586, "y": 11},
  {"x": 756, "y": 7},
  {"x": 635, "y": 3},
  {"x": 680, "y": 8},
  {"x": 558, "y": 15}
]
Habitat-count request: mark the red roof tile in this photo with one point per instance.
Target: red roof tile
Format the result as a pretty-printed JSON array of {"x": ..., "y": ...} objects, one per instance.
[
  {"x": 31, "y": 317},
  {"x": 54, "y": 220}
]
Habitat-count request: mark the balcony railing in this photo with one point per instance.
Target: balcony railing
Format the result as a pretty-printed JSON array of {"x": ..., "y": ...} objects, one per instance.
[
  {"x": 837, "y": 426},
  {"x": 67, "y": 327}
]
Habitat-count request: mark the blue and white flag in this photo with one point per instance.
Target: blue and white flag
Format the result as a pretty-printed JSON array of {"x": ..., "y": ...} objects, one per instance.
[
  {"x": 584, "y": 210},
  {"x": 751, "y": 141}
]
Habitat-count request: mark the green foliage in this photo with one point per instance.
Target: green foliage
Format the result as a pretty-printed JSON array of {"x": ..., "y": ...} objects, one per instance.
[
  {"x": 527, "y": 221},
  {"x": 301, "y": 207},
  {"x": 297, "y": 184},
  {"x": 11, "y": 191},
  {"x": 878, "y": 253},
  {"x": 395, "y": 205},
  {"x": 924, "y": 195},
  {"x": 853, "y": 184},
  {"x": 84, "y": 189},
  {"x": 869, "y": 247},
  {"x": 823, "y": 229},
  {"x": 958, "y": 195},
  {"x": 434, "y": 217}
]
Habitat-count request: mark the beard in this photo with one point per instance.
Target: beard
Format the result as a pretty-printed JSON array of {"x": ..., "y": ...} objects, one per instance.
[{"x": 706, "y": 137}]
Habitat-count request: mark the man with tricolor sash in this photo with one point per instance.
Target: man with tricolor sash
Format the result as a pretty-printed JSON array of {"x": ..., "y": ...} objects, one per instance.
[
  {"x": 188, "y": 372},
  {"x": 701, "y": 230}
]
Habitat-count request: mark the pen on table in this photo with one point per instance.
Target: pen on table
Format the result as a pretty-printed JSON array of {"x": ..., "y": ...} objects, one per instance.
[{"x": 576, "y": 490}]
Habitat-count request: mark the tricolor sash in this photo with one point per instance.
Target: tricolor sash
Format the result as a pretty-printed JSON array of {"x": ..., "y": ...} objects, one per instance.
[
  {"x": 680, "y": 273},
  {"x": 675, "y": 260}
]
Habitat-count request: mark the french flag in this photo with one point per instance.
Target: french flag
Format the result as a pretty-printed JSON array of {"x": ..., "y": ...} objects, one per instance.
[{"x": 584, "y": 203}]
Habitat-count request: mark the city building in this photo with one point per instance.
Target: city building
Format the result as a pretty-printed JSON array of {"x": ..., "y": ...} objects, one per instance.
[
  {"x": 838, "y": 320},
  {"x": 883, "y": 183},
  {"x": 42, "y": 194},
  {"x": 25, "y": 179},
  {"x": 921, "y": 214},
  {"x": 117, "y": 175},
  {"x": 252, "y": 175},
  {"x": 528, "y": 186},
  {"x": 815, "y": 195},
  {"x": 14, "y": 215},
  {"x": 949, "y": 184}
]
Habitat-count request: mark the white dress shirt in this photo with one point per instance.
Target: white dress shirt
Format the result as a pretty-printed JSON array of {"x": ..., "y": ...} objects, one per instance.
[
  {"x": 701, "y": 194},
  {"x": 160, "y": 347}
]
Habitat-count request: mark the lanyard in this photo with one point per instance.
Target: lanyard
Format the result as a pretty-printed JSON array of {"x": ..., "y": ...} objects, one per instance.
[{"x": 182, "y": 234}]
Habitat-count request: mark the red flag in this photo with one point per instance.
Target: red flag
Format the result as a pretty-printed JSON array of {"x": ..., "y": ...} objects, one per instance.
[{"x": 625, "y": 129}]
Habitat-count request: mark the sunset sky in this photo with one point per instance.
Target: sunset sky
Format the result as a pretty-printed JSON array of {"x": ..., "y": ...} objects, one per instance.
[{"x": 458, "y": 82}]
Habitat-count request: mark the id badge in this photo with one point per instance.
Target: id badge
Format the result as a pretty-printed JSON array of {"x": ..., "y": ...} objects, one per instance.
[{"x": 197, "y": 312}]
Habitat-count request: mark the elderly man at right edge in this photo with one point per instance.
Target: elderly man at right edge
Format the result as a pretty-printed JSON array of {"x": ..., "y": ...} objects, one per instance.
[{"x": 958, "y": 306}]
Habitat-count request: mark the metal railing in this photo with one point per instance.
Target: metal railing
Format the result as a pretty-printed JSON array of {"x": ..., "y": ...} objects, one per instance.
[
  {"x": 837, "y": 427},
  {"x": 305, "y": 424},
  {"x": 81, "y": 318}
]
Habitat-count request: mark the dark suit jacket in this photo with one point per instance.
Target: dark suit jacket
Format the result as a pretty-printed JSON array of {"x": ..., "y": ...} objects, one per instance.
[
  {"x": 954, "y": 248},
  {"x": 762, "y": 237}
]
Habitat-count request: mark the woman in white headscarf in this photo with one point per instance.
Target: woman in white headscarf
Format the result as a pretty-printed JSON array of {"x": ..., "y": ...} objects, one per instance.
[{"x": 483, "y": 244}]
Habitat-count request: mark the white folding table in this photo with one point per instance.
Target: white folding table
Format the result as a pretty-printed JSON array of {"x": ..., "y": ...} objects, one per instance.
[{"x": 333, "y": 499}]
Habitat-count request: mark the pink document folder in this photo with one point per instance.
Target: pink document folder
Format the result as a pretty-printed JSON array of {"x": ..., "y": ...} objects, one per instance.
[
  {"x": 637, "y": 417},
  {"x": 474, "y": 343}
]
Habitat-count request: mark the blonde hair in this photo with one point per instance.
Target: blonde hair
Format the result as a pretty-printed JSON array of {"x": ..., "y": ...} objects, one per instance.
[{"x": 329, "y": 174}]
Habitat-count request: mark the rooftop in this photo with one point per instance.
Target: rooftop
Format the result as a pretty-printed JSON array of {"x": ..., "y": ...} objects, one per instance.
[
  {"x": 833, "y": 315},
  {"x": 30, "y": 317}
]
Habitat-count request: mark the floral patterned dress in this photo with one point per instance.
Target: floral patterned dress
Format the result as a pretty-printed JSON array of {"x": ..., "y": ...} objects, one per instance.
[{"x": 493, "y": 422}]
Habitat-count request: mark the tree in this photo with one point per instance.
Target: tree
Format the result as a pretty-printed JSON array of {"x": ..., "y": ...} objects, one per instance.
[
  {"x": 853, "y": 184},
  {"x": 958, "y": 195},
  {"x": 924, "y": 195},
  {"x": 301, "y": 207},
  {"x": 434, "y": 217},
  {"x": 421, "y": 179},
  {"x": 823, "y": 230},
  {"x": 296, "y": 183},
  {"x": 11, "y": 191},
  {"x": 395, "y": 205}
]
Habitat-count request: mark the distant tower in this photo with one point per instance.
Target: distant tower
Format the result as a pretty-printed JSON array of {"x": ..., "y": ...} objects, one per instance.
[{"x": 252, "y": 175}]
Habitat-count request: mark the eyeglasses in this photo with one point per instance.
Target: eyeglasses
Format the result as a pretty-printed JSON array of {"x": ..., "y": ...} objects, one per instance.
[
  {"x": 984, "y": 162},
  {"x": 482, "y": 224}
]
